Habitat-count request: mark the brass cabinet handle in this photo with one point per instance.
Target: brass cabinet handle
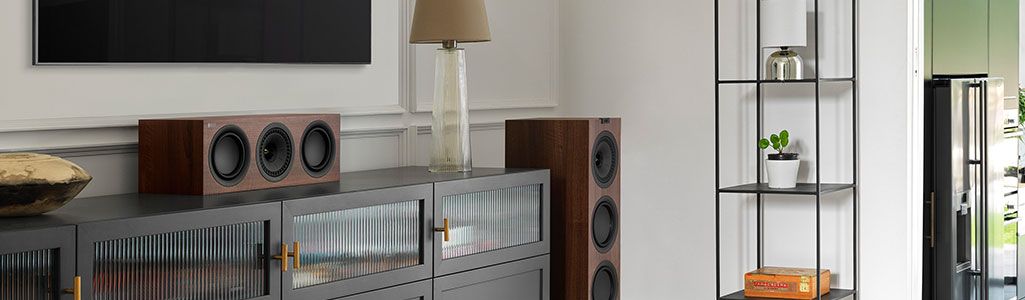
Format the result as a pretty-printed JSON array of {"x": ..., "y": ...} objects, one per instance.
[
  {"x": 283, "y": 257},
  {"x": 295, "y": 256},
  {"x": 76, "y": 290},
  {"x": 444, "y": 229}
]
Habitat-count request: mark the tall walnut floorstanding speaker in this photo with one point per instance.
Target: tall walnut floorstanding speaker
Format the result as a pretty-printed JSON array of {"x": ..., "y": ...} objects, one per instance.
[
  {"x": 214, "y": 155},
  {"x": 583, "y": 156}
]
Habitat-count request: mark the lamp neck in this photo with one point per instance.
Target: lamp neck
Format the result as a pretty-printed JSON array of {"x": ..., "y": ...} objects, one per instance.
[{"x": 448, "y": 44}]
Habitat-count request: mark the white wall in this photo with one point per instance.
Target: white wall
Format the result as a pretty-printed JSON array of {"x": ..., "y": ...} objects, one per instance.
[
  {"x": 891, "y": 166},
  {"x": 651, "y": 62},
  {"x": 88, "y": 113}
]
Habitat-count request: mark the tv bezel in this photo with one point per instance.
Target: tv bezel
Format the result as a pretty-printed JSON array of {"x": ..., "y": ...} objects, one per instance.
[{"x": 36, "y": 62}]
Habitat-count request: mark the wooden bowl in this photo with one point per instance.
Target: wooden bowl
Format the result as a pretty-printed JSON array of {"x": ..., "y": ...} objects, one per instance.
[{"x": 33, "y": 184}]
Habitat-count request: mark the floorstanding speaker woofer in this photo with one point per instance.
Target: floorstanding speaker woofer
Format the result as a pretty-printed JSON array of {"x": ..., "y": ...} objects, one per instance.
[
  {"x": 229, "y": 155},
  {"x": 318, "y": 148},
  {"x": 605, "y": 158},
  {"x": 582, "y": 155},
  {"x": 604, "y": 224},
  {"x": 605, "y": 284},
  {"x": 274, "y": 152}
]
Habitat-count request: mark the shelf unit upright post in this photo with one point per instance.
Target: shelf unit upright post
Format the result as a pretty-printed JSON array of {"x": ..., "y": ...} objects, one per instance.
[{"x": 817, "y": 189}]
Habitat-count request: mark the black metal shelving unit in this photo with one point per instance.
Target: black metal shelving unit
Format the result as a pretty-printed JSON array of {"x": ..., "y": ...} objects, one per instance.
[{"x": 815, "y": 189}]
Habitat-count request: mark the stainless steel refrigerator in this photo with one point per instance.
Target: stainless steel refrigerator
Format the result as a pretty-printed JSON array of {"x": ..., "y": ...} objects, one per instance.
[{"x": 964, "y": 188}]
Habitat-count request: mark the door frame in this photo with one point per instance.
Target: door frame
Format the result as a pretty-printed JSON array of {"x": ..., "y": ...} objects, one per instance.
[
  {"x": 360, "y": 284},
  {"x": 269, "y": 213},
  {"x": 61, "y": 238},
  {"x": 445, "y": 283},
  {"x": 473, "y": 261},
  {"x": 423, "y": 289}
]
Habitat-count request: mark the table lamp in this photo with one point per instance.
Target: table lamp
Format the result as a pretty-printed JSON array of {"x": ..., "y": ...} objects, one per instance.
[
  {"x": 450, "y": 22},
  {"x": 784, "y": 26}
]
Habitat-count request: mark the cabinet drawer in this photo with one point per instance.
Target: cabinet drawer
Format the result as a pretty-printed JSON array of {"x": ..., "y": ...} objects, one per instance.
[
  {"x": 358, "y": 242},
  {"x": 490, "y": 220},
  {"x": 212, "y": 254},
  {"x": 37, "y": 264},
  {"x": 422, "y": 290},
  {"x": 520, "y": 280}
]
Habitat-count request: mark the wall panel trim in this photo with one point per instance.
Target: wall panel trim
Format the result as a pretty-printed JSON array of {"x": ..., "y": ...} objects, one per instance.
[
  {"x": 129, "y": 121},
  {"x": 426, "y": 129},
  {"x": 127, "y": 148}
]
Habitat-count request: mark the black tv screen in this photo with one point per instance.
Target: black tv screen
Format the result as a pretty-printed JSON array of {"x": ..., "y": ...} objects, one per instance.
[{"x": 202, "y": 31}]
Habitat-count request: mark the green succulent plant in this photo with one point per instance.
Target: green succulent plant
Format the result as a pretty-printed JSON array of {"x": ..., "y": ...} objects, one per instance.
[{"x": 779, "y": 142}]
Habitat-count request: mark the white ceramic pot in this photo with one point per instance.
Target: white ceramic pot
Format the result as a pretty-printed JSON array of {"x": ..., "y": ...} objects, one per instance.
[{"x": 783, "y": 173}]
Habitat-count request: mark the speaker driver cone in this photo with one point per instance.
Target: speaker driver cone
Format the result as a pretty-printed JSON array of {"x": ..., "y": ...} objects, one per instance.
[
  {"x": 274, "y": 152},
  {"x": 604, "y": 224},
  {"x": 605, "y": 159},
  {"x": 605, "y": 284},
  {"x": 318, "y": 149},
  {"x": 229, "y": 155}
]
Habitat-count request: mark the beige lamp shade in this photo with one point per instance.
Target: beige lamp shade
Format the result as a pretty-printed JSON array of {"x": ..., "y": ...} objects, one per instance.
[{"x": 436, "y": 21}]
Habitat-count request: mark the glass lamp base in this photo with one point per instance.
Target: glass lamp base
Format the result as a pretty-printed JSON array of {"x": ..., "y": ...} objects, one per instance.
[
  {"x": 784, "y": 64},
  {"x": 450, "y": 128}
]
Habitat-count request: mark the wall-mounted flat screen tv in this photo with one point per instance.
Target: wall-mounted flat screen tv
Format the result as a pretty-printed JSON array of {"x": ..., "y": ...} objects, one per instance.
[{"x": 202, "y": 31}]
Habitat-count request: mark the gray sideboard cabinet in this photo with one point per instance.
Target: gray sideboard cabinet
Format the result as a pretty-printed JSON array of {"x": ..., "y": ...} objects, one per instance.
[{"x": 378, "y": 234}]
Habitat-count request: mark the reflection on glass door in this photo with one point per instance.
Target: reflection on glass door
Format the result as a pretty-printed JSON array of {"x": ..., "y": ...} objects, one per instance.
[
  {"x": 492, "y": 220},
  {"x": 223, "y": 262},
  {"x": 28, "y": 275},
  {"x": 343, "y": 244}
]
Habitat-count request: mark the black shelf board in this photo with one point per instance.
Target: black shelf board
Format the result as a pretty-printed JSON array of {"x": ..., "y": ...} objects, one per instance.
[
  {"x": 834, "y": 294},
  {"x": 801, "y": 189},
  {"x": 807, "y": 80}
]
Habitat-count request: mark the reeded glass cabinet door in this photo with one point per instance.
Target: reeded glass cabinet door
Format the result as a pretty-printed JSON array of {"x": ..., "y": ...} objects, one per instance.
[
  {"x": 37, "y": 264},
  {"x": 357, "y": 242},
  {"x": 490, "y": 219},
  {"x": 212, "y": 254}
]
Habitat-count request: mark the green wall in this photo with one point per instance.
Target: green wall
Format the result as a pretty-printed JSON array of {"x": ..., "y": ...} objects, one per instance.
[{"x": 972, "y": 37}]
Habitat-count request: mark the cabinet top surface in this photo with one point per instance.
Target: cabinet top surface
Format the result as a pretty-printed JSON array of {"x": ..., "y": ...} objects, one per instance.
[{"x": 104, "y": 208}]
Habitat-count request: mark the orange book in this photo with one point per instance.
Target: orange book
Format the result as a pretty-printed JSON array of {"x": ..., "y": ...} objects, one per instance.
[{"x": 784, "y": 283}]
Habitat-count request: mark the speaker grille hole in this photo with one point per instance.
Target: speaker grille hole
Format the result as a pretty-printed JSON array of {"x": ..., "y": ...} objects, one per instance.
[
  {"x": 604, "y": 224},
  {"x": 229, "y": 155},
  {"x": 274, "y": 152},
  {"x": 318, "y": 149},
  {"x": 605, "y": 284},
  {"x": 605, "y": 159}
]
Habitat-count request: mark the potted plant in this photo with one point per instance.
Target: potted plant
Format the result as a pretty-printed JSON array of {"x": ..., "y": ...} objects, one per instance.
[{"x": 782, "y": 166}]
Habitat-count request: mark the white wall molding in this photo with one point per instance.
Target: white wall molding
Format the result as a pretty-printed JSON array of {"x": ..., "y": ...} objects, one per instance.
[
  {"x": 372, "y": 133},
  {"x": 424, "y": 105},
  {"x": 426, "y": 129},
  {"x": 83, "y": 151},
  {"x": 27, "y": 125},
  {"x": 125, "y": 148}
]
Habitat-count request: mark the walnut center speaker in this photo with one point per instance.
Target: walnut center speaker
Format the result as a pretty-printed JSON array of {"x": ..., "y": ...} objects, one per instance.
[
  {"x": 214, "y": 155},
  {"x": 583, "y": 156}
]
